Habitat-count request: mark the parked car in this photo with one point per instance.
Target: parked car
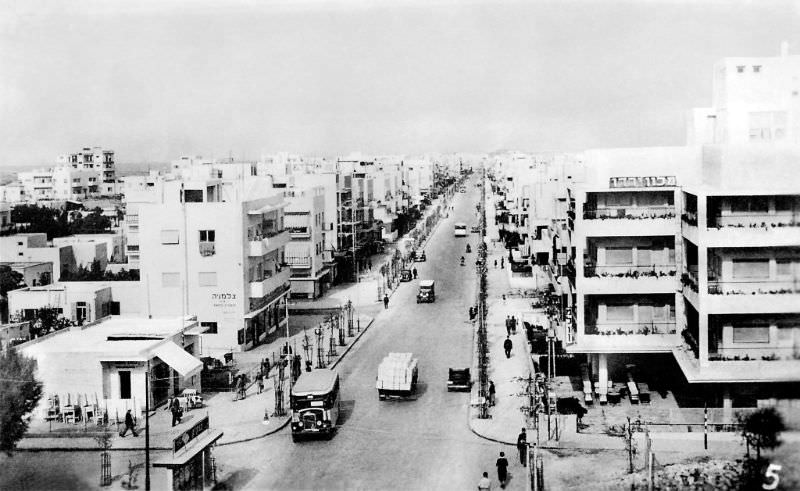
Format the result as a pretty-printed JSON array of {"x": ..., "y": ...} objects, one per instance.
[{"x": 459, "y": 380}]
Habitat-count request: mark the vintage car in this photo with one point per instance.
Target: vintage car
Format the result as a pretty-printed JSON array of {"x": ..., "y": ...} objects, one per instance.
[
  {"x": 427, "y": 292},
  {"x": 405, "y": 275},
  {"x": 420, "y": 258},
  {"x": 459, "y": 380}
]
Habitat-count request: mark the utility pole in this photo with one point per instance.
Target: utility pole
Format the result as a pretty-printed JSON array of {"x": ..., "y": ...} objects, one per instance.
[{"x": 147, "y": 428}]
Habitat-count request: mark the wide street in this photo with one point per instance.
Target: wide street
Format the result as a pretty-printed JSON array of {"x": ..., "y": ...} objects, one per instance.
[{"x": 415, "y": 444}]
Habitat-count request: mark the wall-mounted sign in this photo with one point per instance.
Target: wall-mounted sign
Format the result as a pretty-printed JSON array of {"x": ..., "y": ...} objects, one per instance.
[
  {"x": 642, "y": 182},
  {"x": 223, "y": 300}
]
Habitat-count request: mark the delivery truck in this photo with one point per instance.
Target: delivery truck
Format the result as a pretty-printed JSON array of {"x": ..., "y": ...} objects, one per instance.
[{"x": 397, "y": 376}]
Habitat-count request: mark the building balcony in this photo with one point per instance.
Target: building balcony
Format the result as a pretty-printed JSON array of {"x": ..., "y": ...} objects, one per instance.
[
  {"x": 753, "y": 231},
  {"x": 757, "y": 297},
  {"x": 260, "y": 246},
  {"x": 299, "y": 232},
  {"x": 758, "y": 370},
  {"x": 298, "y": 261},
  {"x": 269, "y": 284},
  {"x": 625, "y": 343},
  {"x": 634, "y": 221},
  {"x": 629, "y": 279}
]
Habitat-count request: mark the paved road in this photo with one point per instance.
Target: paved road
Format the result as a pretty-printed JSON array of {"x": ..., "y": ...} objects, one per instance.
[{"x": 417, "y": 444}]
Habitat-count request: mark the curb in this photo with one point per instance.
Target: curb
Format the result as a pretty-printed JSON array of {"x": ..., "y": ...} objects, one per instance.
[
  {"x": 274, "y": 429},
  {"x": 350, "y": 346}
]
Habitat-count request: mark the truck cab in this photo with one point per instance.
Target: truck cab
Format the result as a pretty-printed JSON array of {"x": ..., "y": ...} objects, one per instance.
[{"x": 427, "y": 292}]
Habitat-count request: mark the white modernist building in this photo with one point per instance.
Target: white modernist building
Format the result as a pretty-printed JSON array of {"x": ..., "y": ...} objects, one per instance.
[{"x": 215, "y": 248}]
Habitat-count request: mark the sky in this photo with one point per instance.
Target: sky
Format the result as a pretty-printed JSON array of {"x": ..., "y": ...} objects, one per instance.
[{"x": 154, "y": 80}]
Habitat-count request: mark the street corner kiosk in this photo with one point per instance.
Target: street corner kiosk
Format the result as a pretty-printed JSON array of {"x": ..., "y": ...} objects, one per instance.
[{"x": 190, "y": 465}]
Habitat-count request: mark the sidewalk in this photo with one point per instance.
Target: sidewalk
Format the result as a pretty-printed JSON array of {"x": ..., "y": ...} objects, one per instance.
[{"x": 506, "y": 416}]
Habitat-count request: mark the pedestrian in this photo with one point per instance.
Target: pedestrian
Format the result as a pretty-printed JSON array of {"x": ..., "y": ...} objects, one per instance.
[
  {"x": 369, "y": 264},
  {"x": 414, "y": 272},
  {"x": 502, "y": 263},
  {"x": 129, "y": 425},
  {"x": 507, "y": 345},
  {"x": 513, "y": 325},
  {"x": 261, "y": 383},
  {"x": 508, "y": 325},
  {"x": 495, "y": 264},
  {"x": 267, "y": 367},
  {"x": 385, "y": 301},
  {"x": 502, "y": 469},
  {"x": 240, "y": 390},
  {"x": 491, "y": 393},
  {"x": 522, "y": 447},
  {"x": 485, "y": 483},
  {"x": 175, "y": 409}
]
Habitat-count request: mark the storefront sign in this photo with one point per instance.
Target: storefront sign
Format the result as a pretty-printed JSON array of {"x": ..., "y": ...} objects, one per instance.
[
  {"x": 190, "y": 434},
  {"x": 642, "y": 182}
]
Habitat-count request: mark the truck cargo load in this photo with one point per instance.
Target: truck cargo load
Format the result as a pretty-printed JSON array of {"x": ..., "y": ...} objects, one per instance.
[{"x": 397, "y": 375}]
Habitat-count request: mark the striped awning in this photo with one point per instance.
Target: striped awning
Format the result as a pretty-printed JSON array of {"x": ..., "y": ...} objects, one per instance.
[{"x": 296, "y": 220}]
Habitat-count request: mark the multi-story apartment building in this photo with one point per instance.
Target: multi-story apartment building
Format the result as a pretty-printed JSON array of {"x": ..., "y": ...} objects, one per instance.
[
  {"x": 304, "y": 219},
  {"x": 89, "y": 173},
  {"x": 33, "y": 247},
  {"x": 741, "y": 274},
  {"x": 214, "y": 248},
  {"x": 358, "y": 233},
  {"x": 754, "y": 100},
  {"x": 623, "y": 262}
]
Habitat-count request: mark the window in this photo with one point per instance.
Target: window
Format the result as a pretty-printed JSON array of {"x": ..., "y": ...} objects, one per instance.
[
  {"x": 170, "y": 237},
  {"x": 751, "y": 334},
  {"x": 240, "y": 336},
  {"x": 207, "y": 279},
  {"x": 193, "y": 195},
  {"x": 170, "y": 280},
  {"x": 751, "y": 268},
  {"x": 740, "y": 68},
  {"x": 619, "y": 199},
  {"x": 211, "y": 327},
  {"x": 644, "y": 257},
  {"x": 783, "y": 267},
  {"x": 207, "y": 238},
  {"x": 767, "y": 125},
  {"x": 619, "y": 313},
  {"x": 756, "y": 68},
  {"x": 619, "y": 255}
]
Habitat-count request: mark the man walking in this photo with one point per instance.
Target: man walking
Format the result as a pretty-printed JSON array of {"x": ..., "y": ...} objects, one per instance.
[
  {"x": 513, "y": 325},
  {"x": 485, "y": 484},
  {"x": 508, "y": 325},
  {"x": 491, "y": 393},
  {"x": 522, "y": 447},
  {"x": 502, "y": 469},
  {"x": 129, "y": 425},
  {"x": 414, "y": 271},
  {"x": 175, "y": 409},
  {"x": 507, "y": 345},
  {"x": 385, "y": 301}
]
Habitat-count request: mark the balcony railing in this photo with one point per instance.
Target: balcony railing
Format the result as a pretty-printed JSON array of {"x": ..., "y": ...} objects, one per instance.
[
  {"x": 299, "y": 230},
  {"x": 769, "y": 287},
  {"x": 762, "y": 221},
  {"x": 207, "y": 249},
  {"x": 628, "y": 271},
  {"x": 689, "y": 278},
  {"x": 298, "y": 261},
  {"x": 630, "y": 213},
  {"x": 630, "y": 328}
]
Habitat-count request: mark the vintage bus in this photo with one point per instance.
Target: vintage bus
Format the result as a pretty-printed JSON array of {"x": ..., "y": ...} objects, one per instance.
[
  {"x": 461, "y": 230},
  {"x": 315, "y": 404}
]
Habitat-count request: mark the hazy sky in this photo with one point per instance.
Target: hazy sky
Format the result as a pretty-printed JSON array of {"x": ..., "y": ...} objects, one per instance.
[{"x": 155, "y": 80}]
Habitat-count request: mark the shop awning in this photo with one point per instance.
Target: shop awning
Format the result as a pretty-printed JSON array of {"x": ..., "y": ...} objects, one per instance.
[
  {"x": 181, "y": 361},
  {"x": 296, "y": 220}
]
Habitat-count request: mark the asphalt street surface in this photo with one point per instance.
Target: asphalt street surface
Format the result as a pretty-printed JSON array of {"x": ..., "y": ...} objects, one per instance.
[{"x": 424, "y": 443}]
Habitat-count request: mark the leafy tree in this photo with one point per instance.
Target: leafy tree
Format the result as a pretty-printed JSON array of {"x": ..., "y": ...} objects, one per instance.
[
  {"x": 19, "y": 394},
  {"x": 9, "y": 280},
  {"x": 762, "y": 428}
]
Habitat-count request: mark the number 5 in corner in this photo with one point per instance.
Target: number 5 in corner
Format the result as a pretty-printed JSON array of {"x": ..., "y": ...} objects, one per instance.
[{"x": 772, "y": 474}]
